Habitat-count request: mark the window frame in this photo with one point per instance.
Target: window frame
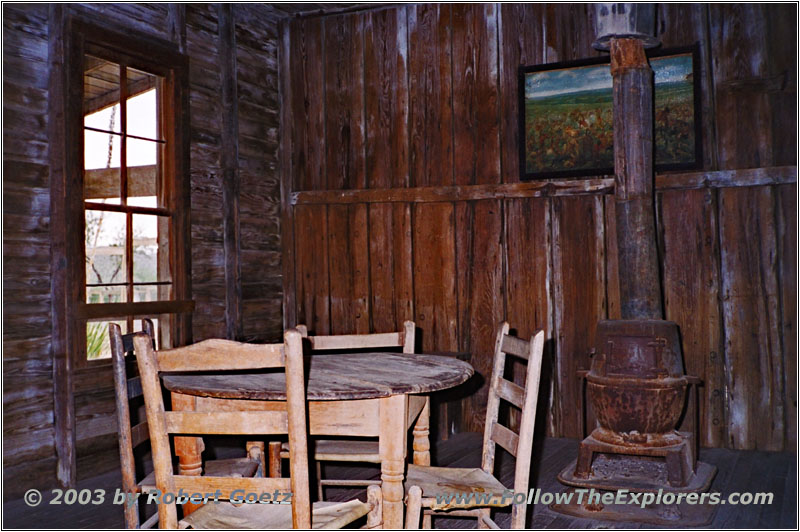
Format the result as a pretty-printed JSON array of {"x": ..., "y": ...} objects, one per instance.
[{"x": 129, "y": 51}]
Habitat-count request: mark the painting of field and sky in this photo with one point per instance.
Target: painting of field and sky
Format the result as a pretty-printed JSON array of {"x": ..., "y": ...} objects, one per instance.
[{"x": 568, "y": 127}]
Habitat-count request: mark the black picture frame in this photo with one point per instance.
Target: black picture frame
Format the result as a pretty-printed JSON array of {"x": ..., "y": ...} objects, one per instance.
[{"x": 573, "y": 141}]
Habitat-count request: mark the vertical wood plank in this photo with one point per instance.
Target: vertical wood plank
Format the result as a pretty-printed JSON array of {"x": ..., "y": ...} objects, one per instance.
[
  {"x": 568, "y": 32},
  {"x": 486, "y": 301},
  {"x": 787, "y": 270},
  {"x": 738, "y": 37},
  {"x": 782, "y": 90},
  {"x": 386, "y": 116},
  {"x": 579, "y": 299},
  {"x": 349, "y": 269},
  {"x": 434, "y": 276},
  {"x": 520, "y": 44},
  {"x": 750, "y": 304},
  {"x": 691, "y": 298},
  {"x": 308, "y": 153},
  {"x": 476, "y": 148},
  {"x": 286, "y": 151},
  {"x": 391, "y": 266},
  {"x": 344, "y": 102},
  {"x": 309, "y": 173},
  {"x": 61, "y": 271},
  {"x": 475, "y": 94},
  {"x": 311, "y": 256},
  {"x": 230, "y": 172},
  {"x": 345, "y": 168},
  {"x": 430, "y": 96},
  {"x": 386, "y": 84},
  {"x": 526, "y": 225},
  {"x": 527, "y": 281}
]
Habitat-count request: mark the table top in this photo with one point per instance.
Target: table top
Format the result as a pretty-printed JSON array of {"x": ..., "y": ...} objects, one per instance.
[{"x": 334, "y": 377}]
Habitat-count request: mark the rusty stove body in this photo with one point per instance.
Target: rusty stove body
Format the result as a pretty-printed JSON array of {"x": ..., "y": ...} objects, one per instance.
[{"x": 637, "y": 389}]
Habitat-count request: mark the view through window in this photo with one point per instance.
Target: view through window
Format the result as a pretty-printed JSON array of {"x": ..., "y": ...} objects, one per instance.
[{"x": 126, "y": 219}]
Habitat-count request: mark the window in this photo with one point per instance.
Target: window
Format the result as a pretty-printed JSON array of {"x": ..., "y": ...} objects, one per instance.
[{"x": 132, "y": 232}]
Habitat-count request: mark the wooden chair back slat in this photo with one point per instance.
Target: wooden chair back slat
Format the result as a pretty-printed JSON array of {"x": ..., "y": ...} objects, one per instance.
[
  {"x": 221, "y": 355},
  {"x": 346, "y": 341},
  {"x": 511, "y": 392},
  {"x": 404, "y": 338},
  {"x": 227, "y": 422},
  {"x": 140, "y": 433},
  {"x": 505, "y": 438},
  {"x": 523, "y": 397},
  {"x": 516, "y": 346}
]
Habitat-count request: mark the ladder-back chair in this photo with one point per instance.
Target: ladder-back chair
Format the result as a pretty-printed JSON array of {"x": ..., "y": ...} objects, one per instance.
[
  {"x": 353, "y": 451},
  {"x": 289, "y": 417},
  {"x": 483, "y": 488},
  {"x": 128, "y": 390}
]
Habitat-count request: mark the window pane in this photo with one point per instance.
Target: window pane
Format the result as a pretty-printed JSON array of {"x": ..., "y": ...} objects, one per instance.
[
  {"x": 97, "y": 343},
  {"x": 101, "y": 178},
  {"x": 101, "y": 150},
  {"x": 150, "y": 255},
  {"x": 144, "y": 173},
  {"x": 142, "y": 104},
  {"x": 101, "y": 94},
  {"x": 105, "y": 257}
]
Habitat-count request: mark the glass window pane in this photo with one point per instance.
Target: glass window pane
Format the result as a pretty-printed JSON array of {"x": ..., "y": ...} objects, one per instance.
[
  {"x": 105, "y": 257},
  {"x": 101, "y": 94},
  {"x": 150, "y": 252},
  {"x": 142, "y": 104},
  {"x": 97, "y": 343},
  {"x": 101, "y": 150},
  {"x": 144, "y": 173},
  {"x": 101, "y": 178}
]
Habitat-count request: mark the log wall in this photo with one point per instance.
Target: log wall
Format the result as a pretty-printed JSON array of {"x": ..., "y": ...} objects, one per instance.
[
  {"x": 403, "y": 201},
  {"x": 236, "y": 270}
]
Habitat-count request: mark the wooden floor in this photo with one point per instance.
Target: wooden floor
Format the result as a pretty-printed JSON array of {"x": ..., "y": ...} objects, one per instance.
[{"x": 739, "y": 471}]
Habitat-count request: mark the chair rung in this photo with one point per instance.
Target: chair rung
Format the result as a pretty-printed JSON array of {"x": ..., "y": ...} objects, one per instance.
[
  {"x": 505, "y": 438},
  {"x": 516, "y": 346},
  {"x": 513, "y": 393},
  {"x": 333, "y": 457},
  {"x": 334, "y": 482}
]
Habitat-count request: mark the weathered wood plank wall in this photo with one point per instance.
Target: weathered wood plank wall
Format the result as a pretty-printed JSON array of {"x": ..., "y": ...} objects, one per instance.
[
  {"x": 397, "y": 98},
  {"x": 29, "y": 424},
  {"x": 28, "y": 429}
]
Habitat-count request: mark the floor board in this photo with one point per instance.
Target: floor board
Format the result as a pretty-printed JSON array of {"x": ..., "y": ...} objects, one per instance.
[{"x": 739, "y": 471}]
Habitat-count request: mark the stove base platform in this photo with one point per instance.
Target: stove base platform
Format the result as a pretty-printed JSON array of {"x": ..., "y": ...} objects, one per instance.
[
  {"x": 635, "y": 473},
  {"x": 682, "y": 515}
]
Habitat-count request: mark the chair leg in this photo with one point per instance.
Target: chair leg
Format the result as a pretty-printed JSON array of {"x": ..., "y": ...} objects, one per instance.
[
  {"x": 427, "y": 521},
  {"x": 274, "y": 459},
  {"x": 413, "y": 507},
  {"x": 485, "y": 512},
  {"x": 375, "y": 500},
  {"x": 255, "y": 451},
  {"x": 319, "y": 480}
]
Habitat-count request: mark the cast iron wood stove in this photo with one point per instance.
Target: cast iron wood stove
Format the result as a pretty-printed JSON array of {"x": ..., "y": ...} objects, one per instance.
[{"x": 637, "y": 389}]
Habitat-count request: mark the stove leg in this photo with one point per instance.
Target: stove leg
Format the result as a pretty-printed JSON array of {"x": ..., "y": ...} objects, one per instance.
[
  {"x": 583, "y": 466},
  {"x": 679, "y": 465}
]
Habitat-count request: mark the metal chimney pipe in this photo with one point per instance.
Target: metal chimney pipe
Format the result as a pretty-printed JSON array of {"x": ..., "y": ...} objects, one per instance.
[{"x": 640, "y": 283}]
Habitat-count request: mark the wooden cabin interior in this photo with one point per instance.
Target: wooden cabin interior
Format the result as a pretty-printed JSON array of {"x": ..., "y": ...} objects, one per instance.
[{"x": 349, "y": 167}]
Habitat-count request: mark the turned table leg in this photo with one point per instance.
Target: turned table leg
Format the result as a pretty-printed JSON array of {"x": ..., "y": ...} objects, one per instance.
[
  {"x": 189, "y": 449},
  {"x": 393, "y": 414},
  {"x": 422, "y": 443}
]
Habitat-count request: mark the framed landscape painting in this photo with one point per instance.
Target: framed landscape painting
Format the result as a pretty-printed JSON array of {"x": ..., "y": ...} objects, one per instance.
[{"x": 566, "y": 119}]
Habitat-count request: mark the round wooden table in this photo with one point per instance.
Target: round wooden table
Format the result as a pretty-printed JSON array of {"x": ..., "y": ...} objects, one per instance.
[{"x": 350, "y": 394}]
